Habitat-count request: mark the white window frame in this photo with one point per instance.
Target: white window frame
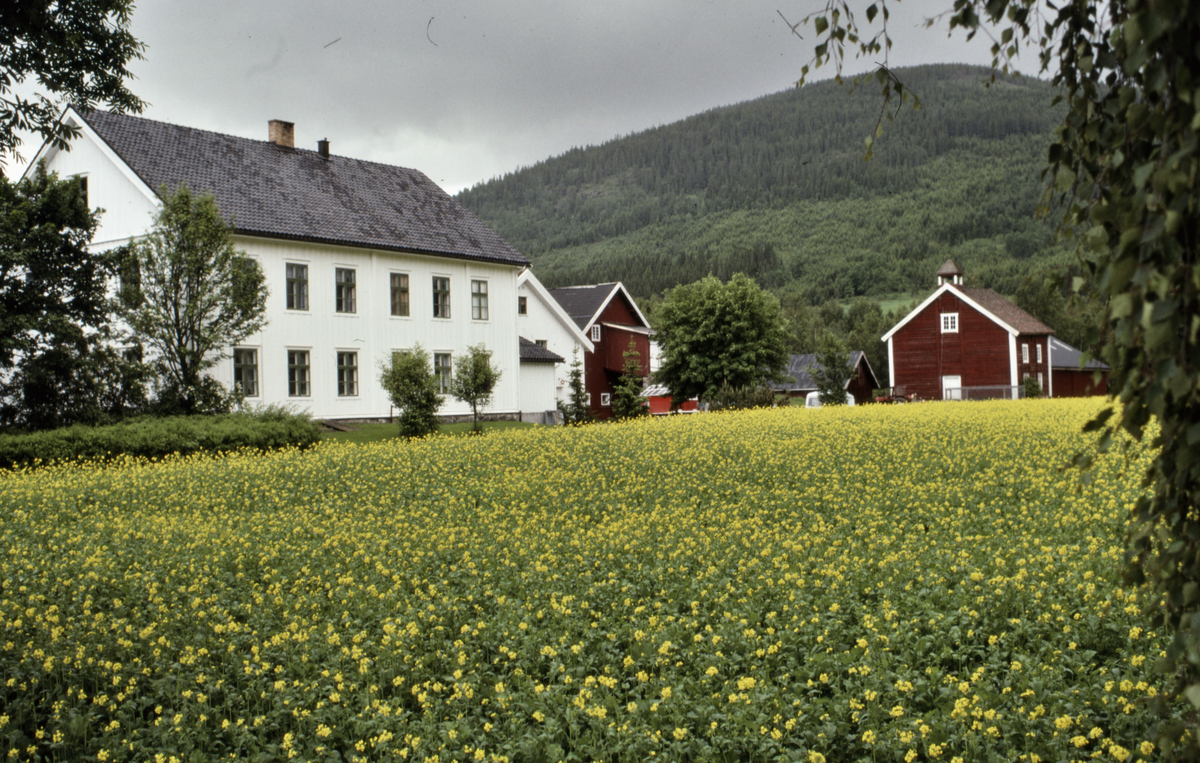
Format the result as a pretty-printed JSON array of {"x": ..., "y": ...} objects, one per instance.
[
  {"x": 254, "y": 388},
  {"x": 301, "y": 387},
  {"x": 1039, "y": 353},
  {"x": 444, "y": 372},
  {"x": 395, "y": 289},
  {"x": 347, "y": 373},
  {"x": 949, "y": 323},
  {"x": 479, "y": 300},
  {"x": 441, "y": 309},
  {"x": 1025, "y": 353},
  {"x": 595, "y": 334},
  {"x": 345, "y": 292},
  {"x": 301, "y": 301},
  {"x": 605, "y": 399}
]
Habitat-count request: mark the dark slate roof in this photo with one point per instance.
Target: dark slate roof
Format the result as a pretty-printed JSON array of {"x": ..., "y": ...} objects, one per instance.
[
  {"x": 531, "y": 352},
  {"x": 292, "y": 193},
  {"x": 1006, "y": 311},
  {"x": 582, "y": 302},
  {"x": 1064, "y": 356},
  {"x": 798, "y": 370}
]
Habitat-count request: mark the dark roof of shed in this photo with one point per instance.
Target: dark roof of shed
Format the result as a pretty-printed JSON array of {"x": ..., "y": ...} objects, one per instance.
[
  {"x": 798, "y": 369},
  {"x": 292, "y": 193},
  {"x": 532, "y": 352},
  {"x": 1006, "y": 311},
  {"x": 1065, "y": 357},
  {"x": 582, "y": 302}
]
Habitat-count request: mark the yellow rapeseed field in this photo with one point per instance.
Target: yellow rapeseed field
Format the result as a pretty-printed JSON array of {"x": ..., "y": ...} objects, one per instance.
[{"x": 897, "y": 583}]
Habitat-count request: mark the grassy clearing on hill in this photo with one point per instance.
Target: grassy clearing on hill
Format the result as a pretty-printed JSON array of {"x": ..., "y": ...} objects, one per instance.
[{"x": 872, "y": 583}]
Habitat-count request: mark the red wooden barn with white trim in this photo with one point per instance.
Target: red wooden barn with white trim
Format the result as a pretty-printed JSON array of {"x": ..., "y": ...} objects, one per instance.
[
  {"x": 610, "y": 318},
  {"x": 966, "y": 342}
]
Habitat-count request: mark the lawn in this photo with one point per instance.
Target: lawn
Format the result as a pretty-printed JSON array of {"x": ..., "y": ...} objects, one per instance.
[{"x": 876, "y": 583}]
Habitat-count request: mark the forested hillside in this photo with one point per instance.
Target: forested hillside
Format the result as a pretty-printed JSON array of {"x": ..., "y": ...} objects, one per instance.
[{"x": 778, "y": 188}]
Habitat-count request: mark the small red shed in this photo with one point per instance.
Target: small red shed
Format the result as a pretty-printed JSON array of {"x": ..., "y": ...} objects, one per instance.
[{"x": 966, "y": 342}]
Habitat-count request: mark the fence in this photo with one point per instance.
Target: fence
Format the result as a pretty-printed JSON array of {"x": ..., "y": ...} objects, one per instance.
[{"x": 997, "y": 392}]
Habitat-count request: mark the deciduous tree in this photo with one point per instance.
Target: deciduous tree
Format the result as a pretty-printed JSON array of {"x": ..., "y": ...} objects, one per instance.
[
  {"x": 474, "y": 380},
  {"x": 714, "y": 333},
  {"x": 411, "y": 385},
  {"x": 196, "y": 296}
]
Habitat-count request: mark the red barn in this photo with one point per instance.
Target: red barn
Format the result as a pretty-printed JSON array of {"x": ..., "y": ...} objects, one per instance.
[
  {"x": 967, "y": 343},
  {"x": 610, "y": 318}
]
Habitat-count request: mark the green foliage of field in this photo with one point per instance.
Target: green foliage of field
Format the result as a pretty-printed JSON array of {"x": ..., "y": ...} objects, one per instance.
[
  {"x": 777, "y": 188},
  {"x": 366, "y": 433},
  {"x": 868, "y": 583}
]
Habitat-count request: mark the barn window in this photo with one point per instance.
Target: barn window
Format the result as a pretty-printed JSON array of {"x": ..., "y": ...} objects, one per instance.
[
  {"x": 1024, "y": 352},
  {"x": 949, "y": 323},
  {"x": 605, "y": 399},
  {"x": 1039, "y": 353},
  {"x": 595, "y": 333}
]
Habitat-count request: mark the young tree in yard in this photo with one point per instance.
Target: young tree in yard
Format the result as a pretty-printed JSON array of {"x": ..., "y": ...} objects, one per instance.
[
  {"x": 1124, "y": 167},
  {"x": 831, "y": 371},
  {"x": 412, "y": 387},
  {"x": 627, "y": 400},
  {"x": 55, "y": 367},
  {"x": 713, "y": 333},
  {"x": 78, "y": 51},
  {"x": 196, "y": 296},
  {"x": 576, "y": 410},
  {"x": 474, "y": 380}
]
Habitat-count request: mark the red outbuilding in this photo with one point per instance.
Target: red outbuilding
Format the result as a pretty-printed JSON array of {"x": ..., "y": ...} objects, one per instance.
[
  {"x": 610, "y": 318},
  {"x": 966, "y": 343}
]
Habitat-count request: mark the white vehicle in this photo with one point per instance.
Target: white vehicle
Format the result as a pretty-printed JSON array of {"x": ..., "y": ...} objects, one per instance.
[{"x": 813, "y": 400}]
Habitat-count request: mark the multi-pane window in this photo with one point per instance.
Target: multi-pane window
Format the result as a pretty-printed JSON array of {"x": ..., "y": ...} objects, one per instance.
[
  {"x": 344, "y": 294},
  {"x": 347, "y": 374},
  {"x": 297, "y": 286},
  {"x": 400, "y": 294},
  {"x": 245, "y": 370},
  {"x": 595, "y": 333},
  {"x": 1024, "y": 352},
  {"x": 522, "y": 306},
  {"x": 1039, "y": 353},
  {"x": 949, "y": 323},
  {"x": 441, "y": 369},
  {"x": 479, "y": 306},
  {"x": 299, "y": 373},
  {"x": 441, "y": 297}
]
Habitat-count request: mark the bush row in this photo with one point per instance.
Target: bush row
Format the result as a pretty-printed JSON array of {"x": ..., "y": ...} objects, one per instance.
[{"x": 156, "y": 437}]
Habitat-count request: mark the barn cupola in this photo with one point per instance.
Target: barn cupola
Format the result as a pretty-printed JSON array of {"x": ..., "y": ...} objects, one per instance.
[{"x": 950, "y": 274}]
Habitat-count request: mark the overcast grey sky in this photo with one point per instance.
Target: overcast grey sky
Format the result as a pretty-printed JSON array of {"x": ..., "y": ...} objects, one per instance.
[{"x": 465, "y": 90}]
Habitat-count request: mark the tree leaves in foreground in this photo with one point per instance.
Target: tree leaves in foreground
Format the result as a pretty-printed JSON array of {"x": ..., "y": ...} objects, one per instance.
[
  {"x": 195, "y": 296},
  {"x": 79, "y": 51},
  {"x": 712, "y": 333},
  {"x": 1125, "y": 168}
]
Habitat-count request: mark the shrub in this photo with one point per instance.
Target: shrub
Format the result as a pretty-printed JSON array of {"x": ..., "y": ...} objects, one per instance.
[
  {"x": 730, "y": 398},
  {"x": 265, "y": 429}
]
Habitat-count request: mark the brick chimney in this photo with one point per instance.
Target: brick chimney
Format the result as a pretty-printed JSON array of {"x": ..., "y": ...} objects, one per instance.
[{"x": 281, "y": 133}]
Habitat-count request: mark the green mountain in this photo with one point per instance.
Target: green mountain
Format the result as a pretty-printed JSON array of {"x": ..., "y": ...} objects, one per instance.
[{"x": 778, "y": 188}]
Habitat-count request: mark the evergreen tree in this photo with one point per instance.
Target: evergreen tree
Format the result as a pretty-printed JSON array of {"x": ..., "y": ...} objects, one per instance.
[
  {"x": 832, "y": 370},
  {"x": 576, "y": 410},
  {"x": 627, "y": 400}
]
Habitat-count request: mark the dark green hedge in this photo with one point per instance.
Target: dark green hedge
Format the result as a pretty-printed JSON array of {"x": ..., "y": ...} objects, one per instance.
[{"x": 153, "y": 438}]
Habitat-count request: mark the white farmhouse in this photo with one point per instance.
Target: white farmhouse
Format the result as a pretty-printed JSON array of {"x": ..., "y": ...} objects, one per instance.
[{"x": 361, "y": 260}]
